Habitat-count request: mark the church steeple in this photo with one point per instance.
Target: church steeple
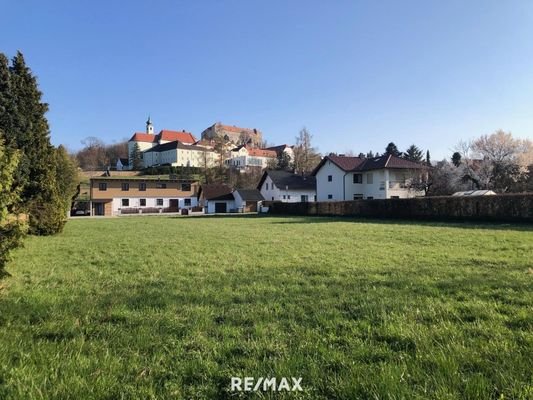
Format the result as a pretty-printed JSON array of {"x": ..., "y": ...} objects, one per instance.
[{"x": 149, "y": 126}]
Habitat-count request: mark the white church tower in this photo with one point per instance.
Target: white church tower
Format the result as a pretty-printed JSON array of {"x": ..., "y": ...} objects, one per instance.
[{"x": 149, "y": 126}]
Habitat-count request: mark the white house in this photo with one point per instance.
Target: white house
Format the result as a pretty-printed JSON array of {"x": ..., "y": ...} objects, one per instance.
[
  {"x": 247, "y": 200},
  {"x": 216, "y": 198},
  {"x": 287, "y": 187},
  {"x": 245, "y": 156},
  {"x": 341, "y": 178}
]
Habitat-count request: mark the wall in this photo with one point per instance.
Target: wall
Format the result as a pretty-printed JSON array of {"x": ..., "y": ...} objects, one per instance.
[
  {"x": 151, "y": 202},
  {"x": 230, "y": 205},
  {"x": 507, "y": 207},
  {"x": 114, "y": 189},
  {"x": 335, "y": 187}
]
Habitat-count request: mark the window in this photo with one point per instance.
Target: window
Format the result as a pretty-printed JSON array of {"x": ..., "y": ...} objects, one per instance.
[
  {"x": 357, "y": 196},
  {"x": 357, "y": 178},
  {"x": 283, "y": 197},
  {"x": 142, "y": 202},
  {"x": 267, "y": 186},
  {"x": 161, "y": 185},
  {"x": 185, "y": 187},
  {"x": 142, "y": 187},
  {"x": 187, "y": 202},
  {"x": 330, "y": 196},
  {"x": 125, "y": 202},
  {"x": 370, "y": 198},
  {"x": 289, "y": 196},
  {"x": 330, "y": 178},
  {"x": 125, "y": 187},
  {"x": 102, "y": 186},
  {"x": 303, "y": 198},
  {"x": 370, "y": 178},
  {"x": 159, "y": 202}
]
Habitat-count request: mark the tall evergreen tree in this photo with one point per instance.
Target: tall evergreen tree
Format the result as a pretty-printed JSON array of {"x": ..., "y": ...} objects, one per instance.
[
  {"x": 22, "y": 119},
  {"x": 413, "y": 153},
  {"x": 428, "y": 158},
  {"x": 136, "y": 161},
  {"x": 456, "y": 158},
  {"x": 392, "y": 149},
  {"x": 11, "y": 229}
]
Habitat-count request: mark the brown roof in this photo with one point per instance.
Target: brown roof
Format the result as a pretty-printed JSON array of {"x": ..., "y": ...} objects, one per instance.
[
  {"x": 353, "y": 164},
  {"x": 216, "y": 191}
]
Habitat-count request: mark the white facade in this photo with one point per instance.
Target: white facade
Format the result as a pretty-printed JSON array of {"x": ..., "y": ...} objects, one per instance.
[
  {"x": 210, "y": 205},
  {"x": 181, "y": 157},
  {"x": 334, "y": 184},
  {"x": 151, "y": 202},
  {"x": 242, "y": 158},
  {"x": 272, "y": 193},
  {"x": 330, "y": 189}
]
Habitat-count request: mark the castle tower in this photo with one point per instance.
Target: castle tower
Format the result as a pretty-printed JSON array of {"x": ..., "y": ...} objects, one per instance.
[{"x": 149, "y": 126}]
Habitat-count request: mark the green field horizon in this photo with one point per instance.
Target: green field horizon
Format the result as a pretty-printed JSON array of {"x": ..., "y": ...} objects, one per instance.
[{"x": 173, "y": 307}]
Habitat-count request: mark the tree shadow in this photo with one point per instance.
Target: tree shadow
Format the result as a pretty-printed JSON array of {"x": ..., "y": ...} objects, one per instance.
[{"x": 444, "y": 223}]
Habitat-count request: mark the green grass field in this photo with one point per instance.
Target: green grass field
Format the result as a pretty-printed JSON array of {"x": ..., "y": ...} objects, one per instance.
[{"x": 160, "y": 307}]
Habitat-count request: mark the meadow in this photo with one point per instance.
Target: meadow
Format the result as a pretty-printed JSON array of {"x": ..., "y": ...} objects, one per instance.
[{"x": 173, "y": 307}]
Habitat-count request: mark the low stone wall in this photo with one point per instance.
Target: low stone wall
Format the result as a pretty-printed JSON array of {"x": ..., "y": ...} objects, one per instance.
[{"x": 505, "y": 207}]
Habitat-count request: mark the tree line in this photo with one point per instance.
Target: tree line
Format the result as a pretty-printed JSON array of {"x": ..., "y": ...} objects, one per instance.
[{"x": 37, "y": 180}]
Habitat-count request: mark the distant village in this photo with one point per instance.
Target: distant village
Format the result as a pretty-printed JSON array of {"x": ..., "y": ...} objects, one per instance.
[{"x": 280, "y": 173}]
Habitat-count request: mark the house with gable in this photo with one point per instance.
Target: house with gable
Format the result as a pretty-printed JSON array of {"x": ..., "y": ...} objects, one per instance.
[
  {"x": 287, "y": 187},
  {"x": 340, "y": 178},
  {"x": 244, "y": 156}
]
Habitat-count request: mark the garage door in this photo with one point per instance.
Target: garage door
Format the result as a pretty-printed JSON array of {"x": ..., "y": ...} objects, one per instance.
[{"x": 220, "y": 207}]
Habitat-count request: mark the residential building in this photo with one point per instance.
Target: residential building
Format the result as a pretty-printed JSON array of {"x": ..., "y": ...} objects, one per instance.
[
  {"x": 287, "y": 187},
  {"x": 219, "y": 198},
  {"x": 283, "y": 149},
  {"x": 233, "y": 134},
  {"x": 177, "y": 154},
  {"x": 216, "y": 198},
  {"x": 247, "y": 200},
  {"x": 244, "y": 156},
  {"x": 341, "y": 178},
  {"x": 116, "y": 195}
]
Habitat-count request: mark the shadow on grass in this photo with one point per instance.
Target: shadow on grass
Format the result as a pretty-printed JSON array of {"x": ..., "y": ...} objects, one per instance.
[{"x": 493, "y": 225}]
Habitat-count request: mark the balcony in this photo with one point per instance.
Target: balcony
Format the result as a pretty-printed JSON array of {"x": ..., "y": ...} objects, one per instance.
[{"x": 394, "y": 185}]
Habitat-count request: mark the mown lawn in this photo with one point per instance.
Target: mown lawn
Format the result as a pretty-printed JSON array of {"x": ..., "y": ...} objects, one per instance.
[{"x": 159, "y": 307}]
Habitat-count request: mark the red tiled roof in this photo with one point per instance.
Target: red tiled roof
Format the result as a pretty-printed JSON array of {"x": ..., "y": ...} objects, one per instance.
[
  {"x": 143, "y": 137},
  {"x": 261, "y": 152},
  {"x": 171, "y": 136}
]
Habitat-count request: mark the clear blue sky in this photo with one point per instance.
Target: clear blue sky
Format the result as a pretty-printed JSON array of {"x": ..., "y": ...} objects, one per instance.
[{"x": 357, "y": 74}]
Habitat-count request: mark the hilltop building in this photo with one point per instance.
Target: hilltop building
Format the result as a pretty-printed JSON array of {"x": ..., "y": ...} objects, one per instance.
[{"x": 234, "y": 134}]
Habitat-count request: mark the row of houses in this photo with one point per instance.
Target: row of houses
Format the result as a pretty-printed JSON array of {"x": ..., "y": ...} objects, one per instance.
[
  {"x": 179, "y": 149},
  {"x": 336, "y": 178}
]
